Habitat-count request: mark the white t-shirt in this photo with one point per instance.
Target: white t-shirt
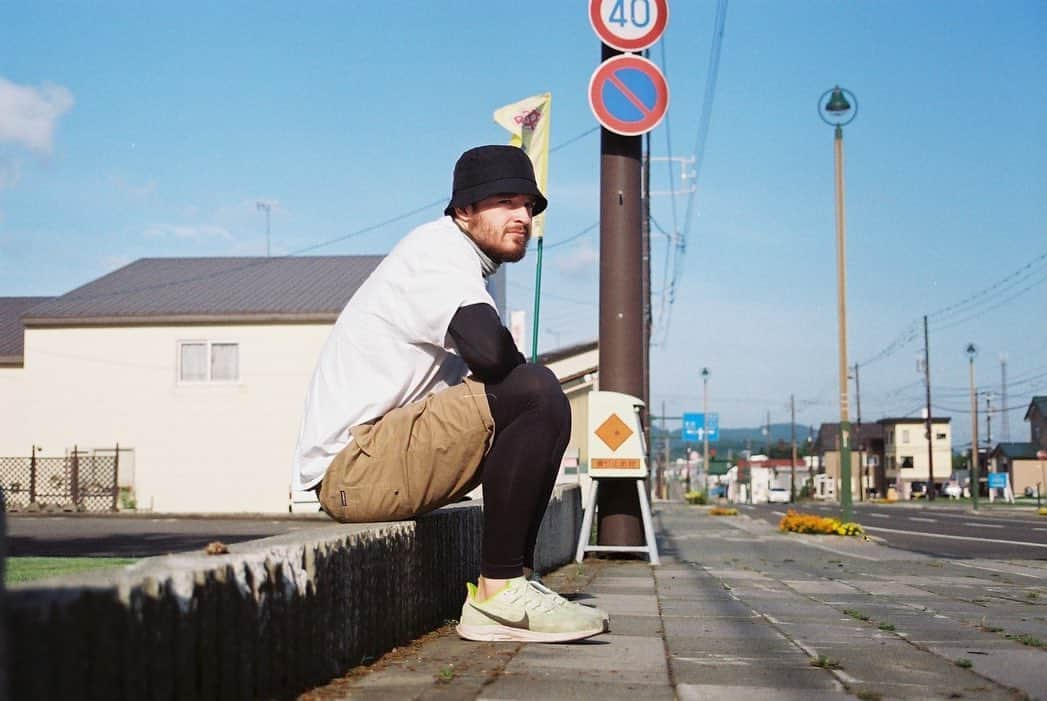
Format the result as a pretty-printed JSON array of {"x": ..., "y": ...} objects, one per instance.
[{"x": 390, "y": 346}]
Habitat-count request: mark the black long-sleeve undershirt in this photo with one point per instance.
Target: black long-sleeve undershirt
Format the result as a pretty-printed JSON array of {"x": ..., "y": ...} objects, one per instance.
[{"x": 485, "y": 345}]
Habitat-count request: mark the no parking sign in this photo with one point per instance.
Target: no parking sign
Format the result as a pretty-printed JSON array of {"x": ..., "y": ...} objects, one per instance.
[{"x": 628, "y": 94}]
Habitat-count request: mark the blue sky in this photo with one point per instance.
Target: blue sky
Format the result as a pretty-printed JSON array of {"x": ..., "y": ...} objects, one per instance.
[{"x": 152, "y": 129}]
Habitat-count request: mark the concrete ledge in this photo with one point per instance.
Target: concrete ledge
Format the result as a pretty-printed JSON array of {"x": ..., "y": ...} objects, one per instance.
[{"x": 269, "y": 620}]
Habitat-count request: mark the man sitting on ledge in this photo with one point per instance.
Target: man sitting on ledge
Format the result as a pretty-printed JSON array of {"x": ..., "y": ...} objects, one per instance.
[{"x": 394, "y": 427}]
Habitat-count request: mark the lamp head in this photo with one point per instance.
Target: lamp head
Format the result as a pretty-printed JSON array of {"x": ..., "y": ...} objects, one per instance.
[
  {"x": 972, "y": 351},
  {"x": 705, "y": 373},
  {"x": 837, "y": 102},
  {"x": 838, "y": 110}
]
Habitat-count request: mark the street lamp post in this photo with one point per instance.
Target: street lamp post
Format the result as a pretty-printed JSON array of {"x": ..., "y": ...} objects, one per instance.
[
  {"x": 972, "y": 351},
  {"x": 838, "y": 110},
  {"x": 705, "y": 426}
]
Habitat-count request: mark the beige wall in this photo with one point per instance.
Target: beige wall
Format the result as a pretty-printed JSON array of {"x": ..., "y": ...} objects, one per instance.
[
  {"x": 14, "y": 440},
  {"x": 197, "y": 447},
  {"x": 898, "y": 445},
  {"x": 1026, "y": 473}
]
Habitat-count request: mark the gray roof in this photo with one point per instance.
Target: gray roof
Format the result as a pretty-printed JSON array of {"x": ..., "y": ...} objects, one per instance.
[
  {"x": 12, "y": 334},
  {"x": 209, "y": 290},
  {"x": 1041, "y": 405},
  {"x": 1016, "y": 451},
  {"x": 829, "y": 436}
]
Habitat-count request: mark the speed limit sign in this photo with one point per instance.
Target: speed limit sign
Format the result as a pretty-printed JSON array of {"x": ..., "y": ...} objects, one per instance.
[{"x": 629, "y": 25}]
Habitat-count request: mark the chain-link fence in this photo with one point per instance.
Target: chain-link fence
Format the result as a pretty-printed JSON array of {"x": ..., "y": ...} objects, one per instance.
[{"x": 80, "y": 481}]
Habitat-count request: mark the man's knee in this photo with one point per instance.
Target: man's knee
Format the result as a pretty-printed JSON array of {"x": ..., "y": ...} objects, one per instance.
[{"x": 537, "y": 386}]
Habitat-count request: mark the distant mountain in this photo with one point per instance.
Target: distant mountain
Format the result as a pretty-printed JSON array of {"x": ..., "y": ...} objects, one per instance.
[{"x": 735, "y": 440}]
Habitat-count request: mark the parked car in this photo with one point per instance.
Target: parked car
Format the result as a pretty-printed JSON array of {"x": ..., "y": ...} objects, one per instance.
[
  {"x": 953, "y": 490},
  {"x": 778, "y": 495}
]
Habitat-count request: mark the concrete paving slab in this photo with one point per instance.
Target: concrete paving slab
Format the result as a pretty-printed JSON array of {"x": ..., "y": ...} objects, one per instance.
[
  {"x": 888, "y": 589},
  {"x": 1025, "y": 669},
  {"x": 628, "y": 604},
  {"x": 750, "y": 672},
  {"x": 528, "y": 688},
  {"x": 748, "y": 628},
  {"x": 763, "y": 648},
  {"x": 623, "y": 658},
  {"x": 808, "y": 586},
  {"x": 634, "y": 585},
  {"x": 713, "y": 692}
]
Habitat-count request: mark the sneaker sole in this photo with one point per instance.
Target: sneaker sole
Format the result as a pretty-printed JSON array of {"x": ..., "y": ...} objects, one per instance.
[{"x": 499, "y": 633}]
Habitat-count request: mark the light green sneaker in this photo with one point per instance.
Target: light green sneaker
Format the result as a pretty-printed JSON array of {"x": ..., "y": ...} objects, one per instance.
[
  {"x": 522, "y": 612},
  {"x": 593, "y": 612}
]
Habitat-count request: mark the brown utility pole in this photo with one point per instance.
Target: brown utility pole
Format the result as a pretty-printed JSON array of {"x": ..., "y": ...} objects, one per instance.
[{"x": 621, "y": 309}]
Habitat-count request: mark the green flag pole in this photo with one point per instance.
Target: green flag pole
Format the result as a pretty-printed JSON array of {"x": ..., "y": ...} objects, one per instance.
[{"x": 537, "y": 297}]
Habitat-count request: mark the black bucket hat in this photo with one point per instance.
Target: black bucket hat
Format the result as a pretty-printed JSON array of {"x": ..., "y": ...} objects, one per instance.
[{"x": 493, "y": 170}]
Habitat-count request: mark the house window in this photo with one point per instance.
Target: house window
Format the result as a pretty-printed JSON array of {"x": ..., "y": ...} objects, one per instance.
[
  {"x": 208, "y": 361},
  {"x": 907, "y": 462},
  {"x": 939, "y": 436},
  {"x": 872, "y": 460},
  {"x": 905, "y": 436}
]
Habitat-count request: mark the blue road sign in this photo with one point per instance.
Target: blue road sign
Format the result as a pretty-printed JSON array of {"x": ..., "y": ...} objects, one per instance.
[
  {"x": 997, "y": 480},
  {"x": 628, "y": 94},
  {"x": 695, "y": 427}
]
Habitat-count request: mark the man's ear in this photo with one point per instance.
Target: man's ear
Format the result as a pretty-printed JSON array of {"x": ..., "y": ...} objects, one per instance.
[{"x": 464, "y": 214}]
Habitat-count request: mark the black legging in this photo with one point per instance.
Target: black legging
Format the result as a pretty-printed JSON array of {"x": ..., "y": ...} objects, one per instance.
[{"x": 532, "y": 421}]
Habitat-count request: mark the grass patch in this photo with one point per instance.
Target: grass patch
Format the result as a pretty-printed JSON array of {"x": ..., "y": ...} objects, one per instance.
[
  {"x": 889, "y": 627},
  {"x": 28, "y": 569},
  {"x": 964, "y": 662},
  {"x": 446, "y": 673},
  {"x": 858, "y": 615},
  {"x": 869, "y": 695},
  {"x": 1026, "y": 639},
  {"x": 825, "y": 662}
]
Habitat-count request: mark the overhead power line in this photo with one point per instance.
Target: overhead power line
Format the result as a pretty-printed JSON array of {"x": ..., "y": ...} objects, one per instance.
[
  {"x": 704, "y": 119},
  {"x": 1030, "y": 274},
  {"x": 247, "y": 265}
]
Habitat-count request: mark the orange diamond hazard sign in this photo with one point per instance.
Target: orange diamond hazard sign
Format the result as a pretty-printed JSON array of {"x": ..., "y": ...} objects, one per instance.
[{"x": 613, "y": 432}]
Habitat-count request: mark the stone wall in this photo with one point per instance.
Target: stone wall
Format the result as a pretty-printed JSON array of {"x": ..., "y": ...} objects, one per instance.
[{"x": 270, "y": 619}]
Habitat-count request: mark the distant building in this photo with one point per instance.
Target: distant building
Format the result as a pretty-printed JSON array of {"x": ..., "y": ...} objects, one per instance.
[
  {"x": 867, "y": 450},
  {"x": 907, "y": 460},
  {"x": 1020, "y": 460},
  {"x": 196, "y": 367}
]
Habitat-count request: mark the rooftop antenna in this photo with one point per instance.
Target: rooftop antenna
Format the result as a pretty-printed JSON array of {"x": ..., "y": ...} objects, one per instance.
[{"x": 266, "y": 207}]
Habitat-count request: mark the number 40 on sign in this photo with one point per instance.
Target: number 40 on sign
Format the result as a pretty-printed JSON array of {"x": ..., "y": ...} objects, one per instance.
[{"x": 629, "y": 25}]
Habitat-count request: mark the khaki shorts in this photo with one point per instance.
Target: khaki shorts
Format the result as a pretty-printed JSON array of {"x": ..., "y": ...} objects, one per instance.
[{"x": 412, "y": 460}]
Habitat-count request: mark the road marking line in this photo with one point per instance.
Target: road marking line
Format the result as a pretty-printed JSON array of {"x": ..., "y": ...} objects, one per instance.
[
  {"x": 880, "y": 515},
  {"x": 778, "y": 513},
  {"x": 957, "y": 537},
  {"x": 1040, "y": 529},
  {"x": 924, "y": 520},
  {"x": 976, "y": 524}
]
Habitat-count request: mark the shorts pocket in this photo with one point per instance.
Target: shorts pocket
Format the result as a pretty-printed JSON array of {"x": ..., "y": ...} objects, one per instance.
[{"x": 359, "y": 488}]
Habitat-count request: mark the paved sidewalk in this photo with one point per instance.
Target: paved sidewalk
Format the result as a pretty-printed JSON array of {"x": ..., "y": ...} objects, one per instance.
[{"x": 740, "y": 611}]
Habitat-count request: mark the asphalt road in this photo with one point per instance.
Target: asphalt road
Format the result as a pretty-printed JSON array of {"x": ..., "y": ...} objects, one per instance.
[
  {"x": 120, "y": 535},
  {"x": 944, "y": 531}
]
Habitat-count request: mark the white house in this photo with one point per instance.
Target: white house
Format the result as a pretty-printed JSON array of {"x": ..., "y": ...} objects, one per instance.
[{"x": 196, "y": 367}]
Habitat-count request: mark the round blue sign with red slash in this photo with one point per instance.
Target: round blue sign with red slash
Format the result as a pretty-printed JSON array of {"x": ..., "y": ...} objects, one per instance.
[{"x": 628, "y": 95}]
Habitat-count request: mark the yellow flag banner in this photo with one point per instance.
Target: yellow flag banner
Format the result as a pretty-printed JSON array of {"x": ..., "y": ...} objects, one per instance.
[{"x": 528, "y": 122}]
